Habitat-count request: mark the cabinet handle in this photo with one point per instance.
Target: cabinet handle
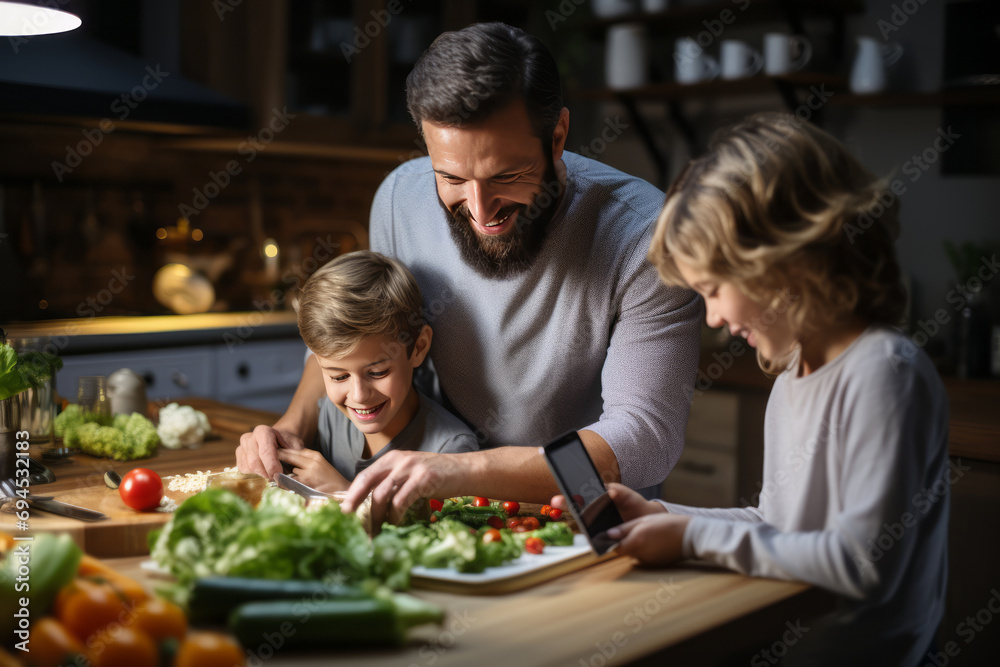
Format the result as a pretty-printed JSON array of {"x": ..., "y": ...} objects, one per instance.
[
  {"x": 149, "y": 378},
  {"x": 180, "y": 379},
  {"x": 243, "y": 370},
  {"x": 698, "y": 468}
]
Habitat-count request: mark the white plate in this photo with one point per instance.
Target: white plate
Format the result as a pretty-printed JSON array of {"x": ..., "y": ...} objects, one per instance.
[{"x": 509, "y": 576}]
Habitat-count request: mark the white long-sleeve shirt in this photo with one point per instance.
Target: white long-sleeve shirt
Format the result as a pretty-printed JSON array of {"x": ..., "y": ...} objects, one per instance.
[{"x": 854, "y": 499}]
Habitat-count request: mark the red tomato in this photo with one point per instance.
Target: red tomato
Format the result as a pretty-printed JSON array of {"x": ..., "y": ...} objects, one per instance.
[
  {"x": 495, "y": 522},
  {"x": 545, "y": 510},
  {"x": 530, "y": 522},
  {"x": 436, "y": 505},
  {"x": 434, "y": 518},
  {"x": 511, "y": 508},
  {"x": 512, "y": 522},
  {"x": 555, "y": 514},
  {"x": 534, "y": 545},
  {"x": 491, "y": 535},
  {"x": 481, "y": 502},
  {"x": 141, "y": 489}
]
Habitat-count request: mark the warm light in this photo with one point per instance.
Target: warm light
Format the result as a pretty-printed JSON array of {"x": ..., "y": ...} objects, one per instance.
[
  {"x": 23, "y": 20},
  {"x": 197, "y": 234},
  {"x": 161, "y": 233},
  {"x": 271, "y": 250},
  {"x": 43, "y": 304}
]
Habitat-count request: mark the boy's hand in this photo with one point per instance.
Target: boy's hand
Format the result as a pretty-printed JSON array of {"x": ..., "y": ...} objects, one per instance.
[
  {"x": 258, "y": 450},
  {"x": 313, "y": 470},
  {"x": 398, "y": 479}
]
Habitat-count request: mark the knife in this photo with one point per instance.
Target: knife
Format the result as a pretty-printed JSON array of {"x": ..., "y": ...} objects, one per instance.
[
  {"x": 294, "y": 485},
  {"x": 65, "y": 509}
]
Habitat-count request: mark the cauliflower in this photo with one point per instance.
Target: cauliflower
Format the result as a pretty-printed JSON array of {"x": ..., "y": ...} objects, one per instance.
[{"x": 182, "y": 426}]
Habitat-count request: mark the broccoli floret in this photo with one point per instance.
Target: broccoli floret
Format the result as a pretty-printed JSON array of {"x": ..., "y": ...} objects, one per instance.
[{"x": 128, "y": 437}]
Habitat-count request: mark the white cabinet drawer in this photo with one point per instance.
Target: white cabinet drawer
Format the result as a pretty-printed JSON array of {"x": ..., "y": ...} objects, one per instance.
[
  {"x": 702, "y": 478},
  {"x": 714, "y": 419},
  {"x": 260, "y": 375},
  {"x": 169, "y": 374}
]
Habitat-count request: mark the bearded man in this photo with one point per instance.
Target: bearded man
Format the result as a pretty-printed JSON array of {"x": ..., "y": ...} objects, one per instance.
[{"x": 547, "y": 317}]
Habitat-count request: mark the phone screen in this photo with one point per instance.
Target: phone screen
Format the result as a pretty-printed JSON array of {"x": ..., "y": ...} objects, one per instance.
[{"x": 584, "y": 489}]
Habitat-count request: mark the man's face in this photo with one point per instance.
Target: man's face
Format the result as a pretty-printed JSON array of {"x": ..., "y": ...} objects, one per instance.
[{"x": 488, "y": 178}]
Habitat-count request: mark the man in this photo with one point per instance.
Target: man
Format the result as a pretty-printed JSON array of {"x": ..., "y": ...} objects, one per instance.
[{"x": 532, "y": 263}]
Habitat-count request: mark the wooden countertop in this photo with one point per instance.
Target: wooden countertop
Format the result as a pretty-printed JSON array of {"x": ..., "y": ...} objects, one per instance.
[
  {"x": 80, "y": 481},
  {"x": 612, "y": 612}
]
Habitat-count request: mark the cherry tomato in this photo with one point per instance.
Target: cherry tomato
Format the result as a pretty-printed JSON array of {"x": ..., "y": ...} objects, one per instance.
[
  {"x": 555, "y": 514},
  {"x": 209, "y": 649},
  {"x": 123, "y": 646},
  {"x": 512, "y": 523},
  {"x": 84, "y": 607},
  {"x": 495, "y": 522},
  {"x": 161, "y": 619},
  {"x": 434, "y": 518},
  {"x": 491, "y": 535},
  {"x": 141, "y": 489},
  {"x": 511, "y": 508},
  {"x": 479, "y": 501},
  {"x": 545, "y": 510},
  {"x": 436, "y": 505},
  {"x": 52, "y": 644},
  {"x": 530, "y": 522},
  {"x": 534, "y": 545}
]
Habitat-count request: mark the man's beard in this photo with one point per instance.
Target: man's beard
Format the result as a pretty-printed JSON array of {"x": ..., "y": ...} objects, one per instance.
[{"x": 512, "y": 253}]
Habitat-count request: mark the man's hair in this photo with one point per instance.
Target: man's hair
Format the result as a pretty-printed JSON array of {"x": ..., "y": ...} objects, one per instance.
[
  {"x": 466, "y": 75},
  {"x": 783, "y": 210},
  {"x": 357, "y": 295}
]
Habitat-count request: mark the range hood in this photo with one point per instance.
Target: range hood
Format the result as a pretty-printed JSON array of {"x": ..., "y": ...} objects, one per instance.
[{"x": 73, "y": 75}]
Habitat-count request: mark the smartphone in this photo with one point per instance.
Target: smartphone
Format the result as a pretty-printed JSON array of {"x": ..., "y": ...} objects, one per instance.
[{"x": 586, "y": 495}]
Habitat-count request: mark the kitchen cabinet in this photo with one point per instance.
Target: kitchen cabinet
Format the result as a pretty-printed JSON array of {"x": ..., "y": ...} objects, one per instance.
[
  {"x": 723, "y": 451},
  {"x": 256, "y": 374}
]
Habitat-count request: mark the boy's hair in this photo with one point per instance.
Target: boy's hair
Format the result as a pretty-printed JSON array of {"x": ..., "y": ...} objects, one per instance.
[
  {"x": 784, "y": 211},
  {"x": 466, "y": 75},
  {"x": 356, "y": 295}
]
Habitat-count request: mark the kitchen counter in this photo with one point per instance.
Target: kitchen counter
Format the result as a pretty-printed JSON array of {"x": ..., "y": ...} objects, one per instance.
[
  {"x": 610, "y": 612},
  {"x": 116, "y": 334}
]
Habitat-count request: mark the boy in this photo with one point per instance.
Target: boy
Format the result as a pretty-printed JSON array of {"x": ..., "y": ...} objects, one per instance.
[{"x": 362, "y": 316}]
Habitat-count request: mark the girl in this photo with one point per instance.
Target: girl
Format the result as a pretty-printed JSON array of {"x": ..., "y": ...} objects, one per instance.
[{"x": 789, "y": 239}]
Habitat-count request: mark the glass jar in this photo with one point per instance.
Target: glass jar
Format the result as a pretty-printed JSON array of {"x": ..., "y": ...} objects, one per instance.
[
  {"x": 92, "y": 397},
  {"x": 37, "y": 403}
]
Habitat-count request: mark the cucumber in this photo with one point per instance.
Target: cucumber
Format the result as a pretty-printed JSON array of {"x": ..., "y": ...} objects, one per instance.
[
  {"x": 286, "y": 625},
  {"x": 213, "y": 599}
]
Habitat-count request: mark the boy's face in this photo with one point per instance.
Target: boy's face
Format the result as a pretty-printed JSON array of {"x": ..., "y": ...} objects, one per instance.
[
  {"x": 726, "y": 304},
  {"x": 371, "y": 384}
]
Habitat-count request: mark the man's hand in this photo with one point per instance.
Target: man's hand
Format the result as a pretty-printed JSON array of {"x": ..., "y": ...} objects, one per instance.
[
  {"x": 400, "y": 478},
  {"x": 313, "y": 470},
  {"x": 258, "y": 450}
]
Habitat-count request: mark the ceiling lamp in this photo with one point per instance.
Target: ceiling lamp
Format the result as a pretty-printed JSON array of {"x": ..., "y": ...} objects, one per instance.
[{"x": 19, "y": 19}]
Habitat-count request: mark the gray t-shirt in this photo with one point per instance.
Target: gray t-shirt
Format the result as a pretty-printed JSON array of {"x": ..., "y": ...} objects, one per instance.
[
  {"x": 432, "y": 429},
  {"x": 854, "y": 498},
  {"x": 587, "y": 338}
]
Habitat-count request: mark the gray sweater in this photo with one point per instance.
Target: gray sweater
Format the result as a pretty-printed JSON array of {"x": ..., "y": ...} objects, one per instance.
[
  {"x": 854, "y": 498},
  {"x": 588, "y": 338}
]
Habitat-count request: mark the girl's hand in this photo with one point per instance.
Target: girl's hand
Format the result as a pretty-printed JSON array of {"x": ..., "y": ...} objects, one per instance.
[
  {"x": 313, "y": 470},
  {"x": 655, "y": 539},
  {"x": 630, "y": 504}
]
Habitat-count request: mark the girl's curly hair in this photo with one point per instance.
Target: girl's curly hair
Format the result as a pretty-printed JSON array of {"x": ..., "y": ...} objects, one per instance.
[{"x": 781, "y": 208}]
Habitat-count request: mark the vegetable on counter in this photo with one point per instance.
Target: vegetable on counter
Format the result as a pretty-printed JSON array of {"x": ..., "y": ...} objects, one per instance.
[
  {"x": 141, "y": 489},
  {"x": 374, "y": 621},
  {"x": 127, "y": 437},
  {"x": 182, "y": 426},
  {"x": 52, "y": 561},
  {"x": 213, "y": 599}
]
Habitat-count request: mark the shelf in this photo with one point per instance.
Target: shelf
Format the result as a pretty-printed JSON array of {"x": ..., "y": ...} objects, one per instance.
[
  {"x": 292, "y": 149},
  {"x": 971, "y": 96},
  {"x": 689, "y": 19},
  {"x": 671, "y": 91}
]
